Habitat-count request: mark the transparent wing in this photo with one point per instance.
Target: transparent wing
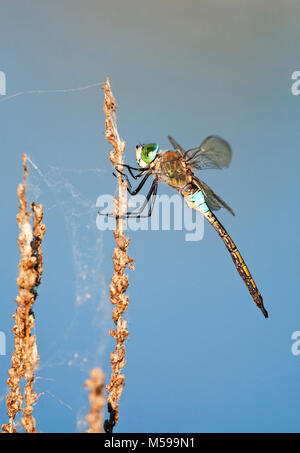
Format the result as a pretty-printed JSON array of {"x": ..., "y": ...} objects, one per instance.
[
  {"x": 176, "y": 146},
  {"x": 214, "y": 152},
  {"x": 213, "y": 201}
]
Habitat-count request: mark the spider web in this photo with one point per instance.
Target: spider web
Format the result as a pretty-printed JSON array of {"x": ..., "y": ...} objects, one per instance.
[
  {"x": 80, "y": 340},
  {"x": 83, "y": 342}
]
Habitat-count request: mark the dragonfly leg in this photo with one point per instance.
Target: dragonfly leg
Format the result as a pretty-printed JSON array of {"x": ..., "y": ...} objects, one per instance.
[
  {"x": 129, "y": 187},
  {"x": 141, "y": 173},
  {"x": 153, "y": 198},
  {"x": 137, "y": 214},
  {"x": 130, "y": 168}
]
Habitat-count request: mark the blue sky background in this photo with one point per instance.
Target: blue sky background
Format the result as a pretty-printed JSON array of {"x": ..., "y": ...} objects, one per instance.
[{"x": 200, "y": 356}]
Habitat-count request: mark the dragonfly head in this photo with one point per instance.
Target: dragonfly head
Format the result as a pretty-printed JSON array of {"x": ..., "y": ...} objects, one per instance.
[{"x": 145, "y": 154}]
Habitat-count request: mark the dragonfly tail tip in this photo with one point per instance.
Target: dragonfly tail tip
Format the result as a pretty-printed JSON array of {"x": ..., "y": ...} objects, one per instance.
[{"x": 264, "y": 311}]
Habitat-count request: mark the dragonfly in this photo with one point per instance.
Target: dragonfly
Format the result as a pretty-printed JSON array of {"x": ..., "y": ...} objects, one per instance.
[{"x": 175, "y": 167}]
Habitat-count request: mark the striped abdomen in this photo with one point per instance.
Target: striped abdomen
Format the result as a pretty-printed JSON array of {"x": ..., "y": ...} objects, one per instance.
[{"x": 197, "y": 201}]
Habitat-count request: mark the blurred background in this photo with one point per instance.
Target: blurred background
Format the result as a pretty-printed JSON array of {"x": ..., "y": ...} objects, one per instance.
[{"x": 200, "y": 356}]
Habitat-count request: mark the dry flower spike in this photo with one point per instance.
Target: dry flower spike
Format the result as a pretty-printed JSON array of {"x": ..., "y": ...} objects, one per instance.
[
  {"x": 119, "y": 281},
  {"x": 25, "y": 356},
  {"x": 97, "y": 400}
]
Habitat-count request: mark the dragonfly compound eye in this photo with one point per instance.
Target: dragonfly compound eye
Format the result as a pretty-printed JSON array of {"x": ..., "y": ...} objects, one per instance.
[{"x": 149, "y": 152}]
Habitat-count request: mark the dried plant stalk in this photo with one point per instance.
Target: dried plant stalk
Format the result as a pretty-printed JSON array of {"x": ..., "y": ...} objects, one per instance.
[
  {"x": 119, "y": 281},
  {"x": 97, "y": 400},
  {"x": 25, "y": 356}
]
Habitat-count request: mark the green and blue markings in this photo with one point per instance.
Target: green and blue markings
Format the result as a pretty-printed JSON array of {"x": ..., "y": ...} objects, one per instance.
[{"x": 199, "y": 201}]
